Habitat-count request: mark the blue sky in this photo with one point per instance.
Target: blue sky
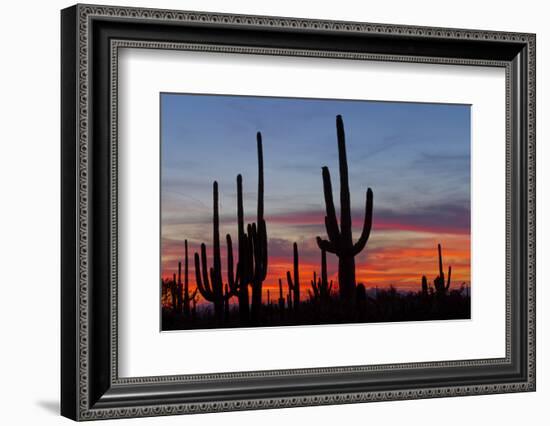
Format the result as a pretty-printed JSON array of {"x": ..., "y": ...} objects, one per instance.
[{"x": 415, "y": 157}]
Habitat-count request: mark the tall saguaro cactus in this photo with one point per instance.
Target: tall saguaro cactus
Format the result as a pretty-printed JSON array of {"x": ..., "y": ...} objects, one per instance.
[
  {"x": 257, "y": 234},
  {"x": 340, "y": 241},
  {"x": 252, "y": 263},
  {"x": 240, "y": 281},
  {"x": 439, "y": 283},
  {"x": 212, "y": 288},
  {"x": 294, "y": 285},
  {"x": 179, "y": 291}
]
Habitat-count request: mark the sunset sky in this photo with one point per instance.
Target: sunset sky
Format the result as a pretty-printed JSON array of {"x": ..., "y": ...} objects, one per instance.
[{"x": 415, "y": 157}]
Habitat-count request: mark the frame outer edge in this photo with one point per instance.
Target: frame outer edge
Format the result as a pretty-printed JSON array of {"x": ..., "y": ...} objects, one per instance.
[
  {"x": 69, "y": 193},
  {"x": 83, "y": 13}
]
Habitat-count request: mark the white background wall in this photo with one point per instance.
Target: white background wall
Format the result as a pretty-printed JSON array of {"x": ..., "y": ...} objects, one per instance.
[{"x": 29, "y": 213}]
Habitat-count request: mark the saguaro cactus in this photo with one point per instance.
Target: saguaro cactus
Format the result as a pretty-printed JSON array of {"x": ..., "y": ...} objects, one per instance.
[
  {"x": 289, "y": 296},
  {"x": 212, "y": 288},
  {"x": 174, "y": 292},
  {"x": 257, "y": 234},
  {"x": 439, "y": 283},
  {"x": 186, "y": 296},
  {"x": 321, "y": 286},
  {"x": 240, "y": 281},
  {"x": 179, "y": 291},
  {"x": 252, "y": 263},
  {"x": 424, "y": 286},
  {"x": 340, "y": 240},
  {"x": 294, "y": 285}
]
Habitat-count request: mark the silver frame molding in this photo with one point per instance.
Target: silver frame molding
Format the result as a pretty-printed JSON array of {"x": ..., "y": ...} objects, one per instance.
[{"x": 91, "y": 39}]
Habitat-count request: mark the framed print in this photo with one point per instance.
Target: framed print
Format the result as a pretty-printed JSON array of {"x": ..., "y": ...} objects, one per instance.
[{"x": 263, "y": 212}]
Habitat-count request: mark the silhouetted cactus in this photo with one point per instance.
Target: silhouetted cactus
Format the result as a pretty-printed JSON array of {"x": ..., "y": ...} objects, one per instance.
[
  {"x": 186, "y": 296},
  {"x": 289, "y": 297},
  {"x": 340, "y": 240},
  {"x": 321, "y": 286},
  {"x": 294, "y": 285},
  {"x": 253, "y": 258},
  {"x": 212, "y": 288},
  {"x": 439, "y": 282},
  {"x": 179, "y": 291},
  {"x": 240, "y": 281},
  {"x": 424, "y": 286},
  {"x": 174, "y": 293},
  {"x": 257, "y": 234},
  {"x": 281, "y": 300}
]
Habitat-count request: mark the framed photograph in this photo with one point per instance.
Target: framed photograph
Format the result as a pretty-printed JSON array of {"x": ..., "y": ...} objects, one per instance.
[{"x": 263, "y": 212}]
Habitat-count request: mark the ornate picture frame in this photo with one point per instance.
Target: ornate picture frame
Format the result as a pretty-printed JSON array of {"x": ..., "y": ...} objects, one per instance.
[{"x": 91, "y": 37}]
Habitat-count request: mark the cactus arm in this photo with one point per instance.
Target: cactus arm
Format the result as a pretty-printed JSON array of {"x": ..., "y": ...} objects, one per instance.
[
  {"x": 367, "y": 225},
  {"x": 254, "y": 247},
  {"x": 449, "y": 279},
  {"x": 217, "y": 267},
  {"x": 326, "y": 245},
  {"x": 289, "y": 281},
  {"x": 314, "y": 281},
  {"x": 186, "y": 270},
  {"x": 204, "y": 261},
  {"x": 324, "y": 278},
  {"x": 440, "y": 261},
  {"x": 179, "y": 289},
  {"x": 316, "y": 289},
  {"x": 296, "y": 275},
  {"x": 250, "y": 248},
  {"x": 331, "y": 223},
  {"x": 333, "y": 234},
  {"x": 243, "y": 264},
  {"x": 265, "y": 257},
  {"x": 240, "y": 209},
  {"x": 296, "y": 262},
  {"x": 200, "y": 285},
  {"x": 231, "y": 279},
  {"x": 229, "y": 293},
  {"x": 258, "y": 246}
]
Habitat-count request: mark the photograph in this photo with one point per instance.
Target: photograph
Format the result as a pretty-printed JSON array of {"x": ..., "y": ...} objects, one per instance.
[
  {"x": 264, "y": 209},
  {"x": 279, "y": 211}
]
